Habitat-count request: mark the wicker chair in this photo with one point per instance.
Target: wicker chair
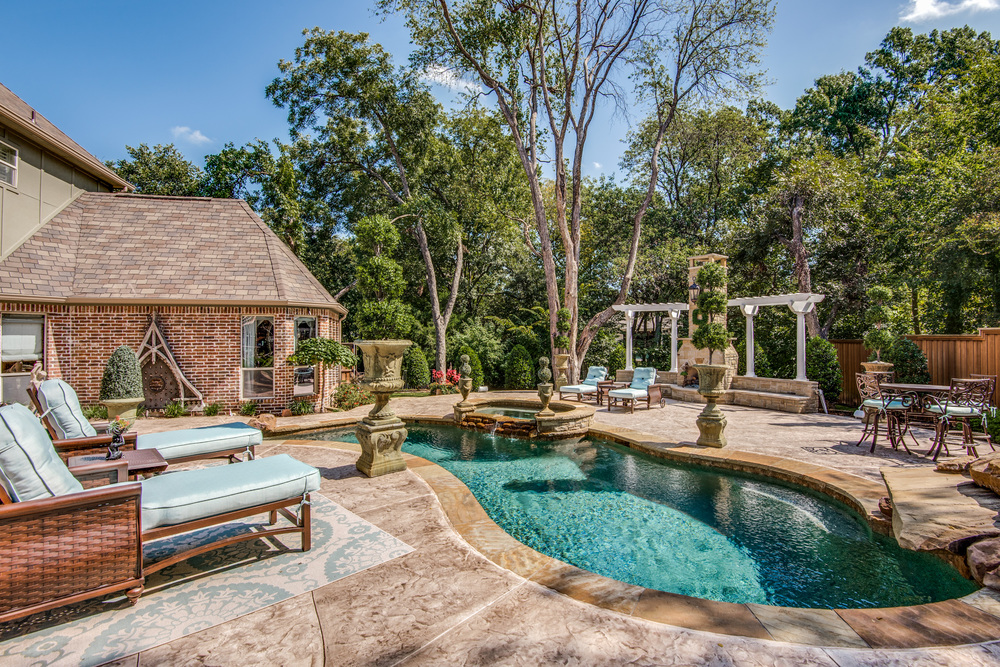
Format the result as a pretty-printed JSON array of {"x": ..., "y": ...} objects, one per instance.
[
  {"x": 642, "y": 387},
  {"x": 73, "y": 435},
  {"x": 61, "y": 544},
  {"x": 967, "y": 399}
]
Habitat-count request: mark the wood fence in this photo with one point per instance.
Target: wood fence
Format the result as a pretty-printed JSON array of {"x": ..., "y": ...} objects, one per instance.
[{"x": 947, "y": 357}]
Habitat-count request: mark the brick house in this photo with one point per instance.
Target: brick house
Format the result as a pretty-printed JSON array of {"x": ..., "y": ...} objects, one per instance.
[{"x": 208, "y": 296}]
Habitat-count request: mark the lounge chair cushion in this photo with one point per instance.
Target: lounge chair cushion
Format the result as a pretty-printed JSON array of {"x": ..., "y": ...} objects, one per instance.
[
  {"x": 190, "y": 495},
  {"x": 29, "y": 466},
  {"x": 578, "y": 389},
  {"x": 595, "y": 374},
  {"x": 60, "y": 402},
  {"x": 642, "y": 378},
  {"x": 628, "y": 392},
  {"x": 200, "y": 441}
]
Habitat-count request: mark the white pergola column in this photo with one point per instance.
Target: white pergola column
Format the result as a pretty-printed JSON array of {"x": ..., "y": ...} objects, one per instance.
[
  {"x": 674, "y": 316},
  {"x": 628, "y": 340},
  {"x": 800, "y": 308},
  {"x": 749, "y": 311}
]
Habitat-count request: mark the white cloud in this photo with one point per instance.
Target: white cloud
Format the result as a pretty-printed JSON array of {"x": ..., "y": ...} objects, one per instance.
[
  {"x": 186, "y": 134},
  {"x": 925, "y": 10},
  {"x": 443, "y": 76},
  {"x": 597, "y": 165}
]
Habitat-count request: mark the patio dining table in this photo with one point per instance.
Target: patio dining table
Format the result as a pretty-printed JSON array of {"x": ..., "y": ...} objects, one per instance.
[{"x": 920, "y": 390}]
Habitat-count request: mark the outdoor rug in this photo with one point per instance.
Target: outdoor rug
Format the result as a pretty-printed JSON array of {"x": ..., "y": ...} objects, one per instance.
[{"x": 201, "y": 592}]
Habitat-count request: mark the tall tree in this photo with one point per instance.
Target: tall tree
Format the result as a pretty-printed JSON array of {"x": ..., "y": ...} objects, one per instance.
[{"x": 160, "y": 170}]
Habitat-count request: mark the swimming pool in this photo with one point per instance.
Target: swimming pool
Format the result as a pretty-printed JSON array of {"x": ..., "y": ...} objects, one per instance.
[{"x": 680, "y": 528}]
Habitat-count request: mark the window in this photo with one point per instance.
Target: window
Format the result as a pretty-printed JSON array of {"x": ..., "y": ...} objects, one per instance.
[
  {"x": 258, "y": 357},
  {"x": 21, "y": 345},
  {"x": 305, "y": 376},
  {"x": 8, "y": 164}
]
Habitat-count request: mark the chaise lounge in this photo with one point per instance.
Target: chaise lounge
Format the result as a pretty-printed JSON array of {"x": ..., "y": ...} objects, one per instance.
[
  {"x": 642, "y": 387},
  {"x": 61, "y": 544},
  {"x": 74, "y": 435},
  {"x": 595, "y": 374}
]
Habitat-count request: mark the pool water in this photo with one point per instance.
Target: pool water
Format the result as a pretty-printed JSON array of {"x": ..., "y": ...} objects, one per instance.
[
  {"x": 519, "y": 413},
  {"x": 682, "y": 529}
]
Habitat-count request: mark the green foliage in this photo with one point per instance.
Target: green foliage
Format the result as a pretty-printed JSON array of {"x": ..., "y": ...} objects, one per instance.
[
  {"x": 248, "y": 408},
  {"x": 212, "y": 409},
  {"x": 712, "y": 336},
  {"x": 761, "y": 363},
  {"x": 442, "y": 388},
  {"x": 160, "y": 170},
  {"x": 561, "y": 342},
  {"x": 616, "y": 361},
  {"x": 122, "y": 376},
  {"x": 376, "y": 320},
  {"x": 823, "y": 367},
  {"x": 563, "y": 319},
  {"x": 485, "y": 339},
  {"x": 95, "y": 411},
  {"x": 301, "y": 406},
  {"x": 909, "y": 362},
  {"x": 351, "y": 396},
  {"x": 656, "y": 357},
  {"x": 711, "y": 277},
  {"x": 712, "y": 303},
  {"x": 175, "y": 409},
  {"x": 600, "y": 351},
  {"x": 478, "y": 376},
  {"x": 520, "y": 369},
  {"x": 415, "y": 370},
  {"x": 323, "y": 350}
]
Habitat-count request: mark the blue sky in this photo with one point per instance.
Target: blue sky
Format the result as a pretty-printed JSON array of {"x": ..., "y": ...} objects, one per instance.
[{"x": 193, "y": 73}]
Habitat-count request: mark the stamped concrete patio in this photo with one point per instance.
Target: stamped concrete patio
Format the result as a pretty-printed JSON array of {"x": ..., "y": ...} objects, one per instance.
[{"x": 446, "y": 603}]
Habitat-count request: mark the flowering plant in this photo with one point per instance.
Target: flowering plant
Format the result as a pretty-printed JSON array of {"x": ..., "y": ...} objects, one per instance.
[
  {"x": 450, "y": 377},
  {"x": 119, "y": 425}
]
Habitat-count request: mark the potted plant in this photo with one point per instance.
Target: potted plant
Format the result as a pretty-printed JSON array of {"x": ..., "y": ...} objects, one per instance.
[
  {"x": 878, "y": 339},
  {"x": 121, "y": 384},
  {"x": 322, "y": 351},
  {"x": 714, "y": 337}
]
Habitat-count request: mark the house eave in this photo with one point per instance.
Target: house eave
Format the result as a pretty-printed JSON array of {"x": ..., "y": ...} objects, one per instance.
[{"x": 77, "y": 301}]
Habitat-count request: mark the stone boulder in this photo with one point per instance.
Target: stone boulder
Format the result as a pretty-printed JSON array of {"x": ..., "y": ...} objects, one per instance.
[
  {"x": 985, "y": 471},
  {"x": 264, "y": 422},
  {"x": 983, "y": 558},
  {"x": 959, "y": 466}
]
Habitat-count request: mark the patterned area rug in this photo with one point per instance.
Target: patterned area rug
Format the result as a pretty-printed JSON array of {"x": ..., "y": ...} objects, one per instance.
[{"x": 201, "y": 592}]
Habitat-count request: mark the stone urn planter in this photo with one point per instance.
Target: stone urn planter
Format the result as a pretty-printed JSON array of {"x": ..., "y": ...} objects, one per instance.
[
  {"x": 711, "y": 422},
  {"x": 126, "y": 408},
  {"x": 876, "y": 366},
  {"x": 562, "y": 370},
  {"x": 381, "y": 434}
]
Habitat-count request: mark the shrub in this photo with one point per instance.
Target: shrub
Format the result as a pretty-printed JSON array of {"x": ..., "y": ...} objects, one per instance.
[
  {"x": 301, "y": 406},
  {"x": 823, "y": 367},
  {"x": 122, "y": 376},
  {"x": 878, "y": 338},
  {"x": 761, "y": 364},
  {"x": 616, "y": 361},
  {"x": 477, "y": 366},
  {"x": 212, "y": 409},
  {"x": 175, "y": 409},
  {"x": 415, "y": 369},
  {"x": 323, "y": 351},
  {"x": 95, "y": 412},
  {"x": 713, "y": 335},
  {"x": 351, "y": 396},
  {"x": 248, "y": 408},
  {"x": 520, "y": 369},
  {"x": 909, "y": 362}
]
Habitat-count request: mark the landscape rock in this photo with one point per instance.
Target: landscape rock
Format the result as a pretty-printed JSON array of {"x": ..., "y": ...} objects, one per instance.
[
  {"x": 958, "y": 466},
  {"x": 264, "y": 422},
  {"x": 985, "y": 471},
  {"x": 885, "y": 506},
  {"x": 983, "y": 558}
]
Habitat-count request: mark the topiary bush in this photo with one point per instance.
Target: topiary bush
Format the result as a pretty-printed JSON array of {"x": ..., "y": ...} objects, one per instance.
[
  {"x": 520, "y": 369},
  {"x": 878, "y": 338},
  {"x": 122, "y": 376},
  {"x": 713, "y": 335},
  {"x": 908, "y": 361},
  {"x": 477, "y": 367},
  {"x": 822, "y": 366},
  {"x": 415, "y": 370},
  {"x": 351, "y": 396}
]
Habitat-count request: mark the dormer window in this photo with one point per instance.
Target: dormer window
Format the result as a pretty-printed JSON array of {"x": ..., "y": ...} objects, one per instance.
[{"x": 8, "y": 164}]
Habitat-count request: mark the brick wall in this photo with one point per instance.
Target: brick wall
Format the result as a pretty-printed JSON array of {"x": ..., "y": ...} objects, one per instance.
[{"x": 205, "y": 341}]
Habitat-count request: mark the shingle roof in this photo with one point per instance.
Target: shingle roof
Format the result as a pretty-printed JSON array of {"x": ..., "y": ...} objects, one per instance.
[
  {"x": 128, "y": 248},
  {"x": 37, "y": 127}
]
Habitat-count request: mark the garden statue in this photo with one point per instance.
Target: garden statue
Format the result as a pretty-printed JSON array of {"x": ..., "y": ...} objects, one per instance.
[
  {"x": 544, "y": 387},
  {"x": 381, "y": 434}
]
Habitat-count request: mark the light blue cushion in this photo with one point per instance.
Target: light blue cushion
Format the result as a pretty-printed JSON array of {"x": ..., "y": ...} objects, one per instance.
[
  {"x": 29, "y": 464},
  {"x": 578, "y": 389},
  {"x": 595, "y": 374},
  {"x": 200, "y": 441},
  {"x": 642, "y": 378},
  {"x": 61, "y": 406},
  {"x": 628, "y": 392},
  {"x": 955, "y": 411},
  {"x": 894, "y": 404},
  {"x": 190, "y": 495}
]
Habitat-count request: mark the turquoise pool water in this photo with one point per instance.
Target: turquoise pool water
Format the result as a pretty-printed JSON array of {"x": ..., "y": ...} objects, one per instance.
[
  {"x": 679, "y": 528},
  {"x": 519, "y": 413}
]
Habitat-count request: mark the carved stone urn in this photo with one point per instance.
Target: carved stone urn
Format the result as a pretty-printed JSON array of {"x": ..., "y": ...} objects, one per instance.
[
  {"x": 381, "y": 434},
  {"x": 544, "y": 387},
  {"x": 464, "y": 386},
  {"x": 562, "y": 370},
  {"x": 711, "y": 422}
]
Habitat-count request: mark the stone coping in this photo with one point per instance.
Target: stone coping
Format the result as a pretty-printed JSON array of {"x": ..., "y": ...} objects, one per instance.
[
  {"x": 563, "y": 409},
  {"x": 972, "y": 619}
]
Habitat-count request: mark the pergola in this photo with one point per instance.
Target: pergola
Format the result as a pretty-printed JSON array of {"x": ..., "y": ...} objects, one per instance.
[{"x": 800, "y": 303}]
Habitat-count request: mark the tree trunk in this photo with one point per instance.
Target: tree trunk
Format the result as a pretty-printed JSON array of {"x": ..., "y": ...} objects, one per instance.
[
  {"x": 801, "y": 271},
  {"x": 439, "y": 318}
]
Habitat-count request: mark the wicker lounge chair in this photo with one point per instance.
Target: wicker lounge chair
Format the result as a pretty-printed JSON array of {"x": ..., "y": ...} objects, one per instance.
[
  {"x": 643, "y": 387},
  {"x": 588, "y": 387},
  {"x": 73, "y": 435},
  {"x": 61, "y": 544}
]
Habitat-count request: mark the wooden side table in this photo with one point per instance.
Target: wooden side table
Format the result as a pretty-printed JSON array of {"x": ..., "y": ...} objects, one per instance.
[
  {"x": 604, "y": 387},
  {"x": 135, "y": 462}
]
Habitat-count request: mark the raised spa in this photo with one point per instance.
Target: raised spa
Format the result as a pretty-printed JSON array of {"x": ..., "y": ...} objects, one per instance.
[{"x": 679, "y": 528}]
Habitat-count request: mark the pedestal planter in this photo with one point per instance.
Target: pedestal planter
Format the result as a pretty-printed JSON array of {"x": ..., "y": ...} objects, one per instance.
[
  {"x": 465, "y": 388},
  {"x": 562, "y": 370},
  {"x": 876, "y": 366},
  {"x": 381, "y": 434},
  {"x": 711, "y": 422},
  {"x": 122, "y": 407}
]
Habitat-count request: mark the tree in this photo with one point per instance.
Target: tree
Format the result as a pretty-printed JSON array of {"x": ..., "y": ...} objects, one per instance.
[
  {"x": 380, "y": 280},
  {"x": 548, "y": 65},
  {"x": 160, "y": 170}
]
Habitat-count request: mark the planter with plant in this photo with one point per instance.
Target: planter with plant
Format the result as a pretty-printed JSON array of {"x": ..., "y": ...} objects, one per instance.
[
  {"x": 322, "y": 352},
  {"x": 878, "y": 338},
  {"x": 121, "y": 384},
  {"x": 714, "y": 337},
  {"x": 560, "y": 354}
]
